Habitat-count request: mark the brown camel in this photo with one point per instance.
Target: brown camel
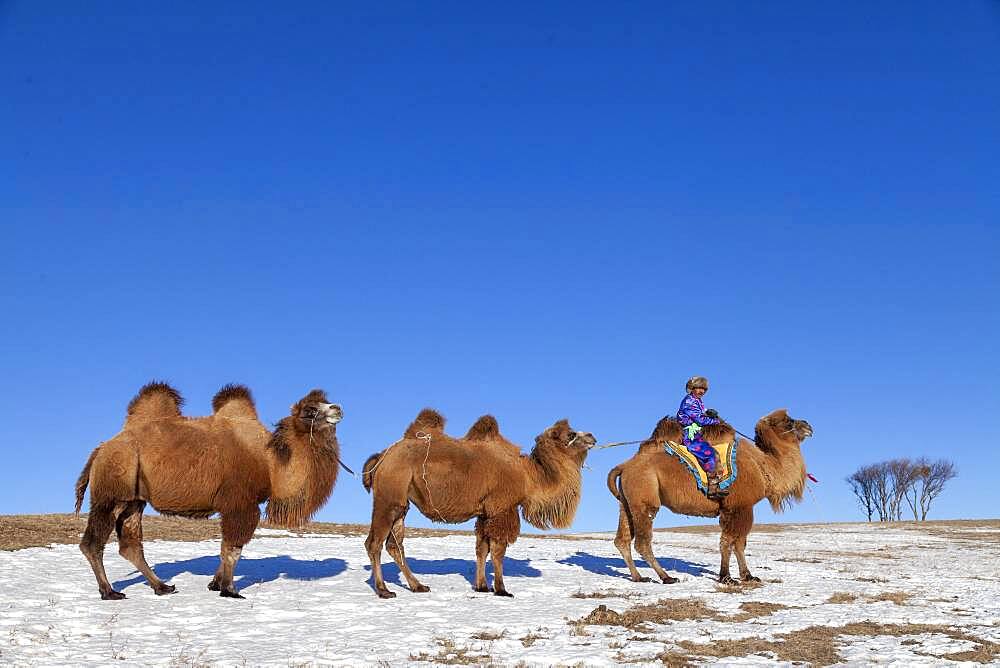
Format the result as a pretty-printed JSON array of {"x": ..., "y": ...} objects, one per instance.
[
  {"x": 482, "y": 475},
  {"x": 770, "y": 468},
  {"x": 226, "y": 463}
]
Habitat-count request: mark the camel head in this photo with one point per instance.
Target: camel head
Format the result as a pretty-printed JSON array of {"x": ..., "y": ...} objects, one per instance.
[
  {"x": 561, "y": 438},
  {"x": 779, "y": 426},
  {"x": 315, "y": 412}
]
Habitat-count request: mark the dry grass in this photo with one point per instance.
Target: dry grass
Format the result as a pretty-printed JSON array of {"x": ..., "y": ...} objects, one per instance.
[
  {"x": 610, "y": 593},
  {"x": 874, "y": 580},
  {"x": 531, "y": 638},
  {"x": 817, "y": 645},
  {"x": 897, "y": 597},
  {"x": 754, "y": 609},
  {"x": 665, "y": 610},
  {"x": 738, "y": 587},
  {"x": 20, "y": 531},
  {"x": 489, "y": 635},
  {"x": 451, "y": 654},
  {"x": 842, "y": 597}
]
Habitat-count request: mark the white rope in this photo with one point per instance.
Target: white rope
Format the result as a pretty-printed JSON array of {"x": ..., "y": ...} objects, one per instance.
[{"x": 423, "y": 436}]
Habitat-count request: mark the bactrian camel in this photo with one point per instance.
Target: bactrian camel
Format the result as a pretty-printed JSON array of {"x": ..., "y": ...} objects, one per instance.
[
  {"x": 771, "y": 467},
  {"x": 481, "y": 475},
  {"x": 226, "y": 463}
]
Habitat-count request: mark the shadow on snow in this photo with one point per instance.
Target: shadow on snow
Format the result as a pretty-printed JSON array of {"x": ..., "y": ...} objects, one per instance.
[
  {"x": 250, "y": 571},
  {"x": 607, "y": 565},
  {"x": 466, "y": 567}
]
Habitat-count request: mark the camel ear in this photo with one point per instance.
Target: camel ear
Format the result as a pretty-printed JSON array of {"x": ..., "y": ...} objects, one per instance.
[{"x": 561, "y": 429}]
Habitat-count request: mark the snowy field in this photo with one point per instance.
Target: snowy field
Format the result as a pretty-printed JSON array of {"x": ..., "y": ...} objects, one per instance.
[{"x": 851, "y": 594}]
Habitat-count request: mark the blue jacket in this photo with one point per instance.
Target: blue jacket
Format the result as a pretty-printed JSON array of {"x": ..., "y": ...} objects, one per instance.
[{"x": 692, "y": 412}]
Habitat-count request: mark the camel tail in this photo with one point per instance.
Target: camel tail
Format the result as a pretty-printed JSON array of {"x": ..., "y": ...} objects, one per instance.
[
  {"x": 84, "y": 480},
  {"x": 368, "y": 470},
  {"x": 613, "y": 476},
  {"x": 155, "y": 400}
]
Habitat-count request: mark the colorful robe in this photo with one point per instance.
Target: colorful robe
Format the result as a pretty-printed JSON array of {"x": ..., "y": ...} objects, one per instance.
[{"x": 691, "y": 415}]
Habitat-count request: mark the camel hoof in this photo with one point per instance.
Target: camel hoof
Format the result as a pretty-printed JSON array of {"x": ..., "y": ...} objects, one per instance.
[
  {"x": 385, "y": 593},
  {"x": 230, "y": 593},
  {"x": 112, "y": 595},
  {"x": 727, "y": 580},
  {"x": 482, "y": 590},
  {"x": 214, "y": 586},
  {"x": 751, "y": 578},
  {"x": 642, "y": 579},
  {"x": 165, "y": 589},
  {"x": 503, "y": 592},
  {"x": 420, "y": 589},
  {"x": 669, "y": 580}
]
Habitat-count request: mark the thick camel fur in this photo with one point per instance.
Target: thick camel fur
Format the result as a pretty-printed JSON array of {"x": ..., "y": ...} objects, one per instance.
[
  {"x": 481, "y": 475},
  {"x": 226, "y": 463},
  {"x": 772, "y": 467}
]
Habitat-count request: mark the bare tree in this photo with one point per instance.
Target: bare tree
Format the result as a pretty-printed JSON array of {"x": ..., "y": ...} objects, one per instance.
[
  {"x": 862, "y": 483},
  {"x": 899, "y": 474},
  {"x": 882, "y": 488},
  {"x": 934, "y": 478}
]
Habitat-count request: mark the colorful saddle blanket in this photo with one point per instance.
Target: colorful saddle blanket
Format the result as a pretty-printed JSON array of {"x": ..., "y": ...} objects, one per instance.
[{"x": 725, "y": 458}]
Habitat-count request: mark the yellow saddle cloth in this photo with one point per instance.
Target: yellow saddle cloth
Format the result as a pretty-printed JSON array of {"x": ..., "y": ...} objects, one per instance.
[{"x": 725, "y": 459}]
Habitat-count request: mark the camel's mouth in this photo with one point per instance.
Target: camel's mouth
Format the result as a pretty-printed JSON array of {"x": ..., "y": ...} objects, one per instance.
[
  {"x": 803, "y": 430},
  {"x": 585, "y": 440},
  {"x": 333, "y": 412}
]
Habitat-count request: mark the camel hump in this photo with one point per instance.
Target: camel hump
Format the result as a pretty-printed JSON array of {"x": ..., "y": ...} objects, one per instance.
[
  {"x": 667, "y": 429},
  {"x": 234, "y": 400},
  {"x": 483, "y": 429},
  {"x": 427, "y": 420},
  {"x": 155, "y": 400}
]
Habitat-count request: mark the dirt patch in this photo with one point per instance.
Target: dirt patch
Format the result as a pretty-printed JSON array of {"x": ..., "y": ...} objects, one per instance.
[
  {"x": 818, "y": 644},
  {"x": 875, "y": 580},
  {"x": 665, "y": 610}
]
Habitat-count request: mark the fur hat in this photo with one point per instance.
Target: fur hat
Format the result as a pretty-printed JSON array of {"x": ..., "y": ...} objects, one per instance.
[{"x": 696, "y": 382}]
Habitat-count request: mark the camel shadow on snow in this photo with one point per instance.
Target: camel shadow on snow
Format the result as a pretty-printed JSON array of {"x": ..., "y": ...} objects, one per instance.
[
  {"x": 464, "y": 567},
  {"x": 607, "y": 565},
  {"x": 250, "y": 571}
]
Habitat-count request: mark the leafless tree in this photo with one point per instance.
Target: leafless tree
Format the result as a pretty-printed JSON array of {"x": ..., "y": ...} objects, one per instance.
[
  {"x": 886, "y": 488},
  {"x": 862, "y": 483},
  {"x": 929, "y": 480}
]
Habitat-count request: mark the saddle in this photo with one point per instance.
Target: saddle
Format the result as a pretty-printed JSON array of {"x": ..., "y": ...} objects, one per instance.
[{"x": 725, "y": 457}]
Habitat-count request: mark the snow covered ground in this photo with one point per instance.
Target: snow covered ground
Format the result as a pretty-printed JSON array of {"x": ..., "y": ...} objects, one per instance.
[{"x": 925, "y": 596}]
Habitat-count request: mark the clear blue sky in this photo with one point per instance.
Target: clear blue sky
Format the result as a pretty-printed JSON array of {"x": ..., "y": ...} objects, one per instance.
[{"x": 534, "y": 210}]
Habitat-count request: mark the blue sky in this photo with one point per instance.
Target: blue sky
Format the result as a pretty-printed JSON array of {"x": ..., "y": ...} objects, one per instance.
[{"x": 534, "y": 211}]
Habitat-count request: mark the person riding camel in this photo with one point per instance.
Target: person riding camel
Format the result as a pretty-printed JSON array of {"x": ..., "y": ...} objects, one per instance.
[{"x": 693, "y": 416}]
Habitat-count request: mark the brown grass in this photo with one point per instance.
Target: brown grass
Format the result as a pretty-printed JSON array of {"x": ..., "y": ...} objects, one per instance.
[
  {"x": 842, "y": 597},
  {"x": 818, "y": 644},
  {"x": 754, "y": 609},
  {"x": 20, "y": 531},
  {"x": 451, "y": 654},
  {"x": 665, "y": 610},
  {"x": 738, "y": 587},
  {"x": 897, "y": 597},
  {"x": 610, "y": 593}
]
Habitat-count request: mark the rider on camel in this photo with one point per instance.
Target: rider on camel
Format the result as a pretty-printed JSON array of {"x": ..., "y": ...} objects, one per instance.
[{"x": 693, "y": 416}]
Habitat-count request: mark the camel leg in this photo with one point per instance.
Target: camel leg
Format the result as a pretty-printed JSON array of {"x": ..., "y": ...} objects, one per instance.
[
  {"x": 727, "y": 540},
  {"x": 394, "y": 546},
  {"x": 482, "y": 550},
  {"x": 623, "y": 541},
  {"x": 497, "y": 549},
  {"x": 383, "y": 520},
  {"x": 642, "y": 525},
  {"x": 100, "y": 524},
  {"x": 743, "y": 522},
  {"x": 129, "y": 529},
  {"x": 237, "y": 530}
]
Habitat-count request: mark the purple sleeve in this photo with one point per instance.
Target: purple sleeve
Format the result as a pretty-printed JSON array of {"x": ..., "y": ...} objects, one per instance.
[{"x": 695, "y": 411}]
